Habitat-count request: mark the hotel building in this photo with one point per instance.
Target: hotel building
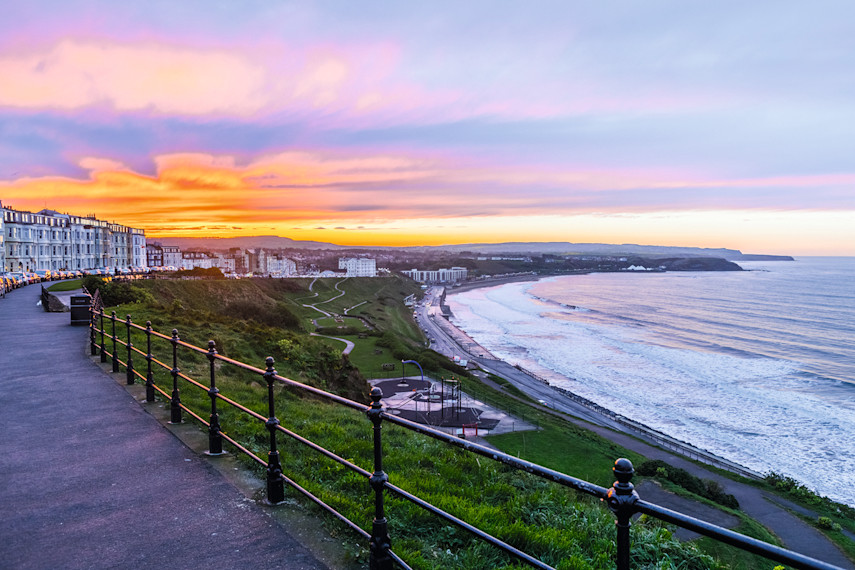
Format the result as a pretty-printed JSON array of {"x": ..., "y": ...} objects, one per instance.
[{"x": 48, "y": 240}]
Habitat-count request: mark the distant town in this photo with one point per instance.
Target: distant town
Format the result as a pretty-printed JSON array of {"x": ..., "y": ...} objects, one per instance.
[{"x": 51, "y": 242}]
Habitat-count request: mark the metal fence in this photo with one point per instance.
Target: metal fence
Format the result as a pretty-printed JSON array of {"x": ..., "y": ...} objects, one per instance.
[{"x": 621, "y": 498}]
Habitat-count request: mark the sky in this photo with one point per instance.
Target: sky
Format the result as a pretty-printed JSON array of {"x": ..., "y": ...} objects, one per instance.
[{"x": 708, "y": 124}]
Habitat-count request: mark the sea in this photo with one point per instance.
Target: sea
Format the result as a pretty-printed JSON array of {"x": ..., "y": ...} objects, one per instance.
[{"x": 755, "y": 366}]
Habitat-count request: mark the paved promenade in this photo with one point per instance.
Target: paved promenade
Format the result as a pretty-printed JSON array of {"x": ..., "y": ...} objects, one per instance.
[{"x": 88, "y": 479}]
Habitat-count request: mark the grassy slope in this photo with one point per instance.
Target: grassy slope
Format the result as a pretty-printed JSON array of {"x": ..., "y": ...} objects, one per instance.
[{"x": 556, "y": 445}]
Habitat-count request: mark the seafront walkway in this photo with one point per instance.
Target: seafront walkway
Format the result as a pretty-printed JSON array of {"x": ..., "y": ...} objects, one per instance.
[{"x": 89, "y": 479}]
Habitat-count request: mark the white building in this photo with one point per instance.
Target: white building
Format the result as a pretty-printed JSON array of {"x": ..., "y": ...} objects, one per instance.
[
  {"x": 358, "y": 266},
  {"x": 48, "y": 240},
  {"x": 2, "y": 244},
  {"x": 279, "y": 266},
  {"x": 452, "y": 275},
  {"x": 226, "y": 263},
  {"x": 192, "y": 259}
]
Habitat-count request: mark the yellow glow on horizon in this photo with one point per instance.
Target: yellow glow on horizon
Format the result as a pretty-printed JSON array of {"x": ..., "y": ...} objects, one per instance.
[{"x": 367, "y": 200}]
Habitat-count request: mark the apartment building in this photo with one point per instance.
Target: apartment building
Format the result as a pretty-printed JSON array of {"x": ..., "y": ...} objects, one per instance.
[
  {"x": 279, "y": 266},
  {"x": 453, "y": 275},
  {"x": 358, "y": 266},
  {"x": 49, "y": 240}
]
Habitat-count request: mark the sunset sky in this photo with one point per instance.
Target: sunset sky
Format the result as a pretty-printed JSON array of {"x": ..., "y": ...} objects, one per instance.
[{"x": 711, "y": 124}]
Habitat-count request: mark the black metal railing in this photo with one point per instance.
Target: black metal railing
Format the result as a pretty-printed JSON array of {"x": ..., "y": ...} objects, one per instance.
[{"x": 621, "y": 498}]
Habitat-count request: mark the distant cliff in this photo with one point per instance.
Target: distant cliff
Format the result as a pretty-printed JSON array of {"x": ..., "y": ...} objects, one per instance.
[
  {"x": 518, "y": 248},
  {"x": 695, "y": 264}
]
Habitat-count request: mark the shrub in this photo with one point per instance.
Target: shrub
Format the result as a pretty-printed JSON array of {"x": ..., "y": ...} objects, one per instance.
[
  {"x": 205, "y": 273},
  {"x": 826, "y": 523},
  {"x": 333, "y": 331},
  {"x": 116, "y": 293},
  {"x": 276, "y": 316},
  {"x": 706, "y": 488}
]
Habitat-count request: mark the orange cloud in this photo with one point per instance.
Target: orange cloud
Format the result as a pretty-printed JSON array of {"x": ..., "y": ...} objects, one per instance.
[{"x": 388, "y": 198}]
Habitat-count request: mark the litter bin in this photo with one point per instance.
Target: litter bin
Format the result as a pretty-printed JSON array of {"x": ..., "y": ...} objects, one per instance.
[{"x": 80, "y": 309}]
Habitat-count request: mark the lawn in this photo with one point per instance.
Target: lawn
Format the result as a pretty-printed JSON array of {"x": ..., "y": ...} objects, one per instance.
[{"x": 70, "y": 285}]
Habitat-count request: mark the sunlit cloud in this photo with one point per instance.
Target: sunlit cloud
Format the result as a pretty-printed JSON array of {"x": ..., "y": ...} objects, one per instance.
[{"x": 195, "y": 192}]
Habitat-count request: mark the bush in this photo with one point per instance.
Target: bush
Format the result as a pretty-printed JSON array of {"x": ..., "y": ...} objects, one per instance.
[
  {"x": 275, "y": 316},
  {"x": 205, "y": 273},
  {"x": 826, "y": 523},
  {"x": 116, "y": 293},
  {"x": 333, "y": 331},
  {"x": 706, "y": 488}
]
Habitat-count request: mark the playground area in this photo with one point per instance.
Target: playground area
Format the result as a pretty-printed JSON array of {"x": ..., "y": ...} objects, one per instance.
[{"x": 441, "y": 404}]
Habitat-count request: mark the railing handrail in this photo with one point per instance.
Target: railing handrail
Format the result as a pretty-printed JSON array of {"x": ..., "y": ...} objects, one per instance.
[{"x": 621, "y": 498}]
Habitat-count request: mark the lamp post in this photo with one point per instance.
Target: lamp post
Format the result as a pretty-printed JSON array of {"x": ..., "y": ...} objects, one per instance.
[{"x": 423, "y": 376}]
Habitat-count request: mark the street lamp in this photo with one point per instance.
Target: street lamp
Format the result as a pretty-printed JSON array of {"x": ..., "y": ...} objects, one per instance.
[{"x": 423, "y": 376}]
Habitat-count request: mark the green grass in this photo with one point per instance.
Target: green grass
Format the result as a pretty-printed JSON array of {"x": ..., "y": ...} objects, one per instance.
[
  {"x": 553, "y": 523},
  {"x": 566, "y": 448},
  {"x": 71, "y": 285},
  {"x": 342, "y": 322}
]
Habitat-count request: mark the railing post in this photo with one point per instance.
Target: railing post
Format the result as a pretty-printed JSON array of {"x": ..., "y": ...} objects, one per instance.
[
  {"x": 130, "y": 366},
  {"x": 275, "y": 485},
  {"x": 175, "y": 404},
  {"x": 93, "y": 350},
  {"x": 215, "y": 438},
  {"x": 379, "y": 545},
  {"x": 115, "y": 353},
  {"x": 149, "y": 377},
  {"x": 103, "y": 348},
  {"x": 621, "y": 499}
]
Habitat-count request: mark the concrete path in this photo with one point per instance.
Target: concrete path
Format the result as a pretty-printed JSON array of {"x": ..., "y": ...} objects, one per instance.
[{"x": 88, "y": 479}]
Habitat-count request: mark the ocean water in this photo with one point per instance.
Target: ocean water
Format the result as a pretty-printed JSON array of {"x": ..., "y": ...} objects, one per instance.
[{"x": 756, "y": 366}]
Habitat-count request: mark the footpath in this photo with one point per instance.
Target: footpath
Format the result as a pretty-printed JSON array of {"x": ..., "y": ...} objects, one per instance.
[{"x": 90, "y": 479}]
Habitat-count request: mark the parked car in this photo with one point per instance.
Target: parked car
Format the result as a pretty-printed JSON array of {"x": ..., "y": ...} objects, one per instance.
[{"x": 19, "y": 278}]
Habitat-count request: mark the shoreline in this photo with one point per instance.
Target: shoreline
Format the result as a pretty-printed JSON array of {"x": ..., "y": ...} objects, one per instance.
[
  {"x": 572, "y": 404},
  {"x": 495, "y": 281}
]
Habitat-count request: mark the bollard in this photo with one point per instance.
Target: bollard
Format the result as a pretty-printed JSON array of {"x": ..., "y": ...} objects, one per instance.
[
  {"x": 621, "y": 499},
  {"x": 149, "y": 377},
  {"x": 115, "y": 352},
  {"x": 130, "y": 366},
  {"x": 379, "y": 544},
  {"x": 215, "y": 438},
  {"x": 175, "y": 401},
  {"x": 275, "y": 485}
]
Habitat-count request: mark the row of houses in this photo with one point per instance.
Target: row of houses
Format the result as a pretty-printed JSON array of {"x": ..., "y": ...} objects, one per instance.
[
  {"x": 50, "y": 240},
  {"x": 236, "y": 260}
]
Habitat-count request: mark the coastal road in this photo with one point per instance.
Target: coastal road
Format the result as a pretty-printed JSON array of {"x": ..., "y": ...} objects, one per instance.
[
  {"x": 450, "y": 341},
  {"x": 773, "y": 512}
]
